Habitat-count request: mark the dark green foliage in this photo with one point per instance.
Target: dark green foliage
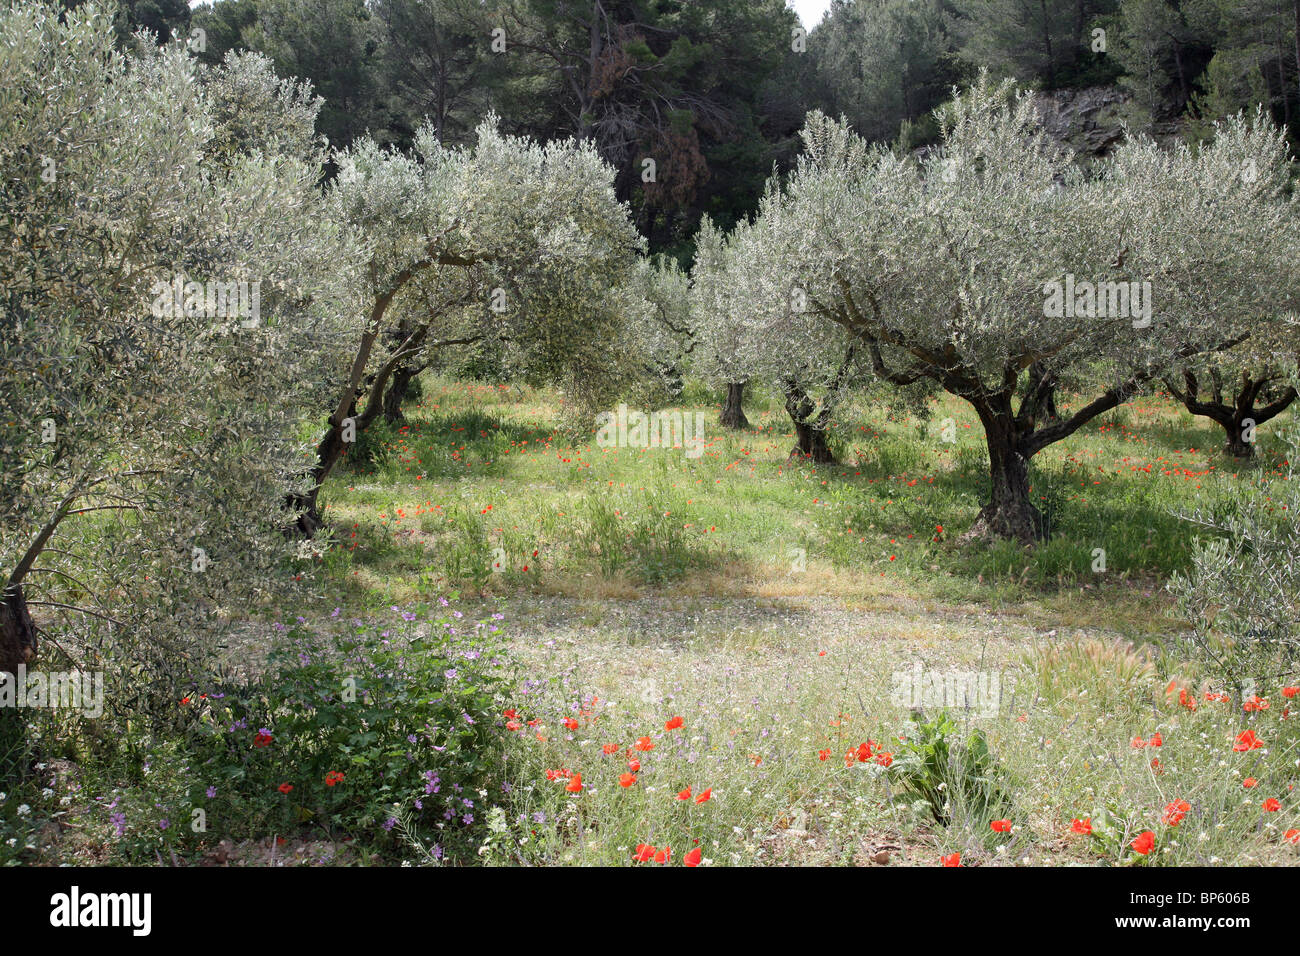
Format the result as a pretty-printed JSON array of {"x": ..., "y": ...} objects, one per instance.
[{"x": 952, "y": 774}]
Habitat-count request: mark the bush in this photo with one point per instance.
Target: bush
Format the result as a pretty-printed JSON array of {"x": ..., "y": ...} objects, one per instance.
[
  {"x": 372, "y": 732},
  {"x": 373, "y": 448}
]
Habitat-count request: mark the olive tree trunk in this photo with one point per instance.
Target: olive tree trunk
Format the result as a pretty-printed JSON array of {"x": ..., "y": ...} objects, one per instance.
[
  {"x": 733, "y": 412},
  {"x": 809, "y": 424}
]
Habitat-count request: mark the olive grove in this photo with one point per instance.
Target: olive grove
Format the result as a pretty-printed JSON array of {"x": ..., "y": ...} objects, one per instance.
[{"x": 994, "y": 265}]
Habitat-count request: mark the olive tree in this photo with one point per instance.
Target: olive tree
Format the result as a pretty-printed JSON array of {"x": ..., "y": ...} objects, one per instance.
[
  {"x": 172, "y": 294},
  {"x": 1249, "y": 384},
  {"x": 1239, "y": 592},
  {"x": 660, "y": 322},
  {"x": 505, "y": 238},
  {"x": 994, "y": 255},
  {"x": 754, "y": 326},
  {"x": 1239, "y": 393},
  {"x": 713, "y": 303}
]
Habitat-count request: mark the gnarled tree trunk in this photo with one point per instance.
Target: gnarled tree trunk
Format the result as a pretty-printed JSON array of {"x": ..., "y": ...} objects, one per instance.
[
  {"x": 1239, "y": 417},
  {"x": 1042, "y": 393},
  {"x": 399, "y": 389},
  {"x": 733, "y": 412},
  {"x": 809, "y": 424},
  {"x": 1009, "y": 512}
]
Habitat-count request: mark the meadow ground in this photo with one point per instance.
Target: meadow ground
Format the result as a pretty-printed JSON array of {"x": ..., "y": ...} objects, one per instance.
[
  {"x": 518, "y": 647},
  {"x": 794, "y": 617}
]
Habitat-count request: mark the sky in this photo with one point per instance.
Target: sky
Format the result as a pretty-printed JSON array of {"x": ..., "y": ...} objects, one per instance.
[{"x": 810, "y": 11}]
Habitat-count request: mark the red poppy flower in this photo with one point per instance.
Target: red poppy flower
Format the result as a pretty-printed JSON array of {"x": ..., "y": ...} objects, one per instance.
[
  {"x": 570, "y": 723},
  {"x": 823, "y": 755},
  {"x": 1290, "y": 692},
  {"x": 333, "y": 777},
  {"x": 262, "y": 739},
  {"x": 704, "y": 795},
  {"x": 1249, "y": 782},
  {"x": 1246, "y": 740},
  {"x": 627, "y": 780},
  {"x": 1000, "y": 826},
  {"x": 609, "y": 749},
  {"x": 285, "y": 787},
  {"x": 1083, "y": 826},
  {"x": 952, "y": 859},
  {"x": 634, "y": 765},
  {"x": 692, "y": 858},
  {"x": 684, "y": 794},
  {"x": 1271, "y": 805},
  {"x": 1144, "y": 843},
  {"x": 644, "y": 743},
  {"x": 574, "y": 785},
  {"x": 644, "y": 853},
  {"x": 885, "y": 759},
  {"x": 1291, "y": 836},
  {"x": 1175, "y": 811},
  {"x": 673, "y": 723},
  {"x": 665, "y": 855}
]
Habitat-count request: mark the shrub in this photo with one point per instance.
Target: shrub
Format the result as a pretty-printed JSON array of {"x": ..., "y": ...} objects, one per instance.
[{"x": 367, "y": 729}]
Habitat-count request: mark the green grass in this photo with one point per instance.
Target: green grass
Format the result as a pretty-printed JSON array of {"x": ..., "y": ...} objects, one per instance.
[
  {"x": 772, "y": 605},
  {"x": 481, "y": 476},
  {"x": 476, "y": 472}
]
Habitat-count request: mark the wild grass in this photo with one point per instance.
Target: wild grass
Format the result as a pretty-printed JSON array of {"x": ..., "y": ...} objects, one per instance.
[
  {"x": 774, "y": 606},
  {"x": 475, "y": 472},
  {"x": 490, "y": 496}
]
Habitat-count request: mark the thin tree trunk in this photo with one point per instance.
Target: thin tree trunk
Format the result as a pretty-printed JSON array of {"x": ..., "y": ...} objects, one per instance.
[
  {"x": 328, "y": 452},
  {"x": 1047, "y": 43},
  {"x": 1295, "y": 8},
  {"x": 1184, "y": 90},
  {"x": 1281, "y": 86}
]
